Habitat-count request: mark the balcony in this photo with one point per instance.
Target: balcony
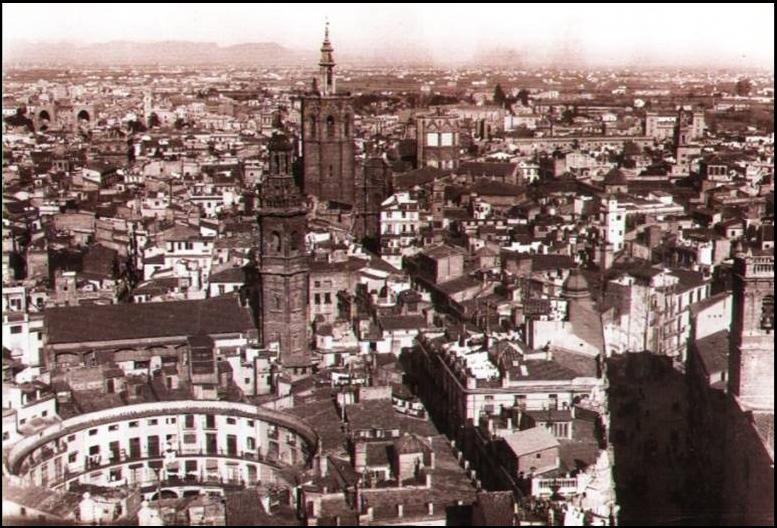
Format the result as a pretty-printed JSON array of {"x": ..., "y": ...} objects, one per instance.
[
  {"x": 97, "y": 462},
  {"x": 232, "y": 484},
  {"x": 545, "y": 487}
]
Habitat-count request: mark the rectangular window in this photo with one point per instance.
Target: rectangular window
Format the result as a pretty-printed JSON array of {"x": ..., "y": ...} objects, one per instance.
[
  {"x": 153, "y": 421},
  {"x": 231, "y": 421},
  {"x": 16, "y": 329},
  {"x": 134, "y": 424},
  {"x": 114, "y": 427},
  {"x": 93, "y": 432},
  {"x": 189, "y": 421},
  {"x": 432, "y": 139},
  {"x": 447, "y": 139}
]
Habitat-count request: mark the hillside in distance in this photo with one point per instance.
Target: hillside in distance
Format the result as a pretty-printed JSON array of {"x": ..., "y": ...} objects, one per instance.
[{"x": 163, "y": 53}]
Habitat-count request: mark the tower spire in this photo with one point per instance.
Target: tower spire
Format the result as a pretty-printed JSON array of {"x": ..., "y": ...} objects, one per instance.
[{"x": 327, "y": 65}]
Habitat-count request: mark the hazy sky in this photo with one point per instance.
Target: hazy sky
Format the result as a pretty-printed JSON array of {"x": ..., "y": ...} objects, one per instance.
[{"x": 732, "y": 33}]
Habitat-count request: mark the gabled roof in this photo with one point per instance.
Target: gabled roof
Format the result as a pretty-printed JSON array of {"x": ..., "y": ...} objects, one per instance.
[{"x": 77, "y": 324}]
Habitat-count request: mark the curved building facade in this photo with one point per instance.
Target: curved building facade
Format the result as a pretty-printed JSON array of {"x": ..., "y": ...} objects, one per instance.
[{"x": 170, "y": 447}]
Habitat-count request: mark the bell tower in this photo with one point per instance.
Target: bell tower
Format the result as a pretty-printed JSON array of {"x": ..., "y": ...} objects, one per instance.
[
  {"x": 751, "y": 359},
  {"x": 283, "y": 260},
  {"x": 327, "y": 135}
]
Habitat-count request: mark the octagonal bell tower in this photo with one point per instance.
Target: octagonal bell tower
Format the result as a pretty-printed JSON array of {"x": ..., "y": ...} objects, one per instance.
[{"x": 283, "y": 261}]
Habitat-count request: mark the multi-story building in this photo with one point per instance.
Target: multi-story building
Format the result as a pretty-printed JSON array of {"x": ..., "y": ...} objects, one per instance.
[
  {"x": 400, "y": 226},
  {"x": 473, "y": 376},
  {"x": 437, "y": 136},
  {"x": 650, "y": 310},
  {"x": 165, "y": 446}
]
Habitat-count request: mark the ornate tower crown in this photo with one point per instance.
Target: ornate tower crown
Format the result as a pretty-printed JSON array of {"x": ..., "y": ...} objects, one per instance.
[
  {"x": 327, "y": 65},
  {"x": 279, "y": 189}
]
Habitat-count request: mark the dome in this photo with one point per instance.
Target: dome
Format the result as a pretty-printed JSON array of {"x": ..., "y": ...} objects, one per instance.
[
  {"x": 576, "y": 286},
  {"x": 615, "y": 177}
]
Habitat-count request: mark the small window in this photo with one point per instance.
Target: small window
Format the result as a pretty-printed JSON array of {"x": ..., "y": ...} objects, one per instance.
[
  {"x": 16, "y": 329},
  {"x": 92, "y": 432},
  {"x": 231, "y": 421},
  {"x": 153, "y": 421},
  {"x": 113, "y": 427},
  {"x": 134, "y": 424}
]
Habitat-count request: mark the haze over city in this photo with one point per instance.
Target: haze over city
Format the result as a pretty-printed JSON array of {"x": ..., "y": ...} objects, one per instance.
[
  {"x": 388, "y": 265},
  {"x": 588, "y": 35}
]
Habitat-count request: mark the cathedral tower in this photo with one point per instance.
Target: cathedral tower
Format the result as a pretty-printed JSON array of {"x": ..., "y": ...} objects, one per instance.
[
  {"x": 283, "y": 260},
  {"x": 327, "y": 135}
]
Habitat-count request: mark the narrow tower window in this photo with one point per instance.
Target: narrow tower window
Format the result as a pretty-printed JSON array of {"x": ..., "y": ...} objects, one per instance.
[{"x": 330, "y": 126}]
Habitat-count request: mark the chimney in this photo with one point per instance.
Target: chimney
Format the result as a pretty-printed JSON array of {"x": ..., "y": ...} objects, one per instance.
[{"x": 400, "y": 510}]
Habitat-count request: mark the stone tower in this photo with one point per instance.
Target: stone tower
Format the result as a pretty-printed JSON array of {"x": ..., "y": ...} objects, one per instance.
[
  {"x": 373, "y": 186},
  {"x": 327, "y": 135},
  {"x": 751, "y": 358},
  {"x": 283, "y": 260}
]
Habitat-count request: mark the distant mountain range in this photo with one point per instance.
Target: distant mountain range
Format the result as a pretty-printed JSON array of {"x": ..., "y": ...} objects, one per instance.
[{"x": 147, "y": 53}]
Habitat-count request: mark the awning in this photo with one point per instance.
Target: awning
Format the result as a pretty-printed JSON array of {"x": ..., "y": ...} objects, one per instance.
[
  {"x": 136, "y": 466},
  {"x": 155, "y": 464}
]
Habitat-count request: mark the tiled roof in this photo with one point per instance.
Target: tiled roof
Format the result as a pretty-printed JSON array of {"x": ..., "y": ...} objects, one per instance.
[
  {"x": 371, "y": 414},
  {"x": 531, "y": 441},
  {"x": 75, "y": 324}
]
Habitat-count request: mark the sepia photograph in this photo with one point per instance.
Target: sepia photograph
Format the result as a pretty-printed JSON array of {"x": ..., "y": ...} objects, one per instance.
[{"x": 392, "y": 264}]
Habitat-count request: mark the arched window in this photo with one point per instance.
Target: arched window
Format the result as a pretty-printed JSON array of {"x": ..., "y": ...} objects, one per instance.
[
  {"x": 331, "y": 172},
  {"x": 276, "y": 301},
  {"x": 275, "y": 241},
  {"x": 330, "y": 126},
  {"x": 313, "y": 124},
  {"x": 294, "y": 241},
  {"x": 347, "y": 125}
]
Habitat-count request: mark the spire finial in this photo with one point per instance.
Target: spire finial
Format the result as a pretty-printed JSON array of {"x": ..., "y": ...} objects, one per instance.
[{"x": 326, "y": 28}]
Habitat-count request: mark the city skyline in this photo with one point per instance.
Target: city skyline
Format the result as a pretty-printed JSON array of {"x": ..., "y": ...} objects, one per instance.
[{"x": 595, "y": 34}]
